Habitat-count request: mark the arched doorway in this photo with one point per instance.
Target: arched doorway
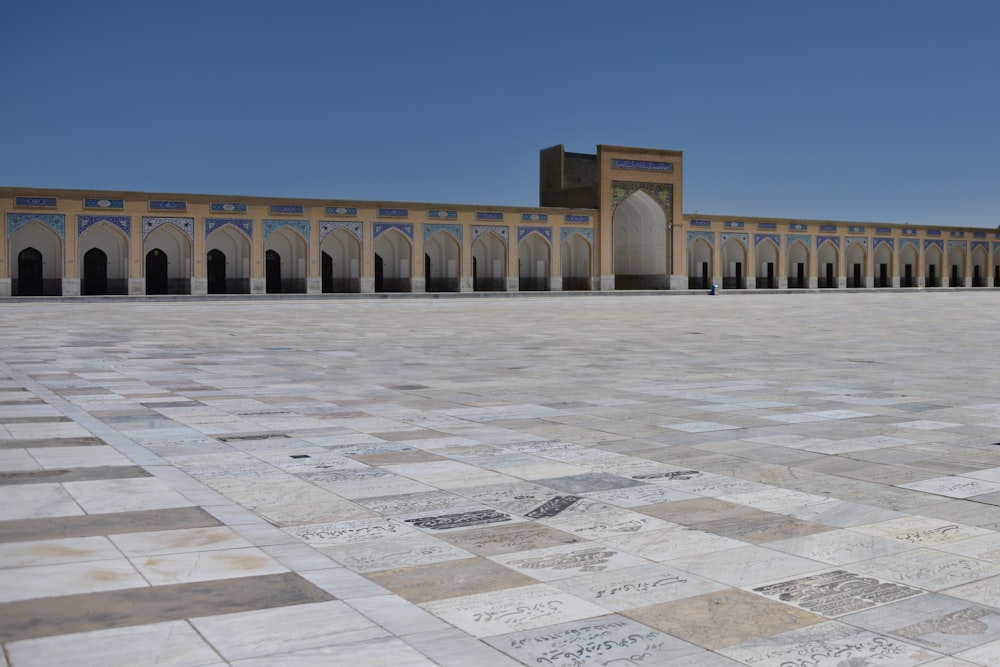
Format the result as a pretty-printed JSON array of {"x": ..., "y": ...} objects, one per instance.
[
  {"x": 35, "y": 260},
  {"x": 883, "y": 265},
  {"x": 909, "y": 265},
  {"x": 734, "y": 264},
  {"x": 798, "y": 265},
  {"x": 285, "y": 262},
  {"x": 956, "y": 262},
  {"x": 932, "y": 264},
  {"x": 979, "y": 260},
  {"x": 575, "y": 254},
  {"x": 95, "y": 272},
  {"x": 767, "y": 265},
  {"x": 699, "y": 264},
  {"x": 489, "y": 263},
  {"x": 29, "y": 273},
  {"x": 340, "y": 256},
  {"x": 216, "y": 271},
  {"x": 533, "y": 263},
  {"x": 272, "y": 264},
  {"x": 157, "y": 281},
  {"x": 392, "y": 262},
  {"x": 441, "y": 262},
  {"x": 856, "y": 257},
  {"x": 827, "y": 257},
  {"x": 639, "y": 235}
]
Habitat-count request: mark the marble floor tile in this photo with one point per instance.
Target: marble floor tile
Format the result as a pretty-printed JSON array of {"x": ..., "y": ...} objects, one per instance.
[
  {"x": 840, "y": 547},
  {"x": 32, "y": 501},
  {"x": 174, "y": 568},
  {"x": 671, "y": 543},
  {"x": 184, "y": 540},
  {"x": 124, "y": 495},
  {"x": 929, "y": 569},
  {"x": 745, "y": 566},
  {"x": 637, "y": 586},
  {"x": 56, "y": 551},
  {"x": 391, "y": 554},
  {"x": 454, "y": 578},
  {"x": 836, "y": 592},
  {"x": 370, "y": 653},
  {"x": 954, "y": 486},
  {"x": 74, "y": 457},
  {"x": 922, "y": 531},
  {"x": 560, "y": 562},
  {"x": 38, "y": 581},
  {"x": 509, "y": 537}
]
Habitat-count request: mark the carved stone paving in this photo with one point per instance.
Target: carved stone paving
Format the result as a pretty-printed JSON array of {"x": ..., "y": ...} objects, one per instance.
[
  {"x": 591, "y": 559},
  {"x": 459, "y": 520},
  {"x": 837, "y": 593},
  {"x": 667, "y": 476},
  {"x": 552, "y": 507},
  {"x": 962, "y": 622},
  {"x": 610, "y": 640}
]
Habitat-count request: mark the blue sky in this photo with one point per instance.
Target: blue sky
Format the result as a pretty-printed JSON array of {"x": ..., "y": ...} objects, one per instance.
[{"x": 849, "y": 110}]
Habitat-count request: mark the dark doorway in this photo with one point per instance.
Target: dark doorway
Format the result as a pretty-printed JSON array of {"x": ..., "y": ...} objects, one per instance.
[
  {"x": 857, "y": 276},
  {"x": 379, "y": 274},
  {"x": 95, "y": 272},
  {"x": 977, "y": 277},
  {"x": 908, "y": 276},
  {"x": 770, "y": 275},
  {"x": 272, "y": 261},
  {"x": 156, "y": 272},
  {"x": 29, "y": 273},
  {"x": 327, "y": 262},
  {"x": 800, "y": 275},
  {"x": 883, "y": 275},
  {"x": 705, "y": 282},
  {"x": 954, "y": 282},
  {"x": 216, "y": 272},
  {"x": 830, "y": 279},
  {"x": 429, "y": 285},
  {"x": 996, "y": 275},
  {"x": 931, "y": 276}
]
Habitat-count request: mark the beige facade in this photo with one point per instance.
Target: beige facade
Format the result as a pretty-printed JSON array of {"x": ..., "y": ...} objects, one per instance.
[{"x": 608, "y": 220}]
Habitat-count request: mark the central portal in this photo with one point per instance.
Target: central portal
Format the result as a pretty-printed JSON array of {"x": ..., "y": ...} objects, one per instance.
[{"x": 639, "y": 234}]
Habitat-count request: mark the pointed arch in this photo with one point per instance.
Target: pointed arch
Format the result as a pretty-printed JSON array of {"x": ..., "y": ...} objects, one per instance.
[
  {"x": 909, "y": 264},
  {"x": 171, "y": 266},
  {"x": 639, "y": 239},
  {"x": 393, "y": 253},
  {"x": 285, "y": 267},
  {"x": 533, "y": 257},
  {"x": 35, "y": 255},
  {"x": 489, "y": 263},
  {"x": 700, "y": 269},
  {"x": 228, "y": 253},
  {"x": 767, "y": 253},
  {"x": 828, "y": 259},
  {"x": 933, "y": 261},
  {"x": 798, "y": 265},
  {"x": 979, "y": 266},
  {"x": 111, "y": 277},
  {"x": 575, "y": 253},
  {"x": 734, "y": 263},
  {"x": 340, "y": 252},
  {"x": 882, "y": 257},
  {"x": 956, "y": 265},
  {"x": 442, "y": 260},
  {"x": 856, "y": 256}
]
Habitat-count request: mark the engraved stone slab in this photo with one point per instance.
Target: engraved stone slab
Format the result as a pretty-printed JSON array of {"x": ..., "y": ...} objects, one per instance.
[
  {"x": 601, "y": 524},
  {"x": 670, "y": 543},
  {"x": 837, "y": 592},
  {"x": 922, "y": 531},
  {"x": 830, "y": 644},
  {"x": 637, "y": 586},
  {"x": 840, "y": 547},
  {"x": 594, "y": 481},
  {"x": 929, "y": 569},
  {"x": 954, "y": 486},
  {"x": 986, "y": 547},
  {"x": 567, "y": 561},
  {"x": 638, "y": 496},
  {"x": 476, "y": 517},
  {"x": 509, "y": 537},
  {"x": 513, "y": 609},
  {"x": 412, "y": 503},
  {"x": 714, "y": 486},
  {"x": 747, "y": 566},
  {"x": 415, "y": 549},
  {"x": 608, "y": 640},
  {"x": 351, "y": 532},
  {"x": 552, "y": 507},
  {"x": 518, "y": 498}
]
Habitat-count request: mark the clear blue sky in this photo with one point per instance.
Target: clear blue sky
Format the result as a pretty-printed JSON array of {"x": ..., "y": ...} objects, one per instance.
[{"x": 850, "y": 110}]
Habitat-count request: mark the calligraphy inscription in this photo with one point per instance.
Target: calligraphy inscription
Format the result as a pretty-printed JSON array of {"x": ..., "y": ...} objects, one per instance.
[
  {"x": 552, "y": 507},
  {"x": 837, "y": 593},
  {"x": 613, "y": 642},
  {"x": 459, "y": 520},
  {"x": 962, "y": 622},
  {"x": 586, "y": 560},
  {"x": 674, "y": 474}
]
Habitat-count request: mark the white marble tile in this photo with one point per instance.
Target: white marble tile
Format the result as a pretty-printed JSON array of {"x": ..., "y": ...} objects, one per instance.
[
  {"x": 39, "y": 581},
  {"x": 55, "y": 551},
  {"x": 746, "y": 566},
  {"x": 928, "y": 569},
  {"x": 671, "y": 543},
  {"x": 124, "y": 495},
  {"x": 154, "y": 543},
  {"x": 637, "y": 586},
  {"x": 922, "y": 531},
  {"x": 840, "y": 547},
  {"x": 568, "y": 560},
  {"x": 17, "y": 460},
  {"x": 175, "y": 568},
  {"x": 33, "y": 501},
  {"x": 78, "y": 457}
]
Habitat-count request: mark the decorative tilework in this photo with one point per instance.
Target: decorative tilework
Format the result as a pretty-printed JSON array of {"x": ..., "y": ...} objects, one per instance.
[
  {"x": 767, "y": 225},
  {"x": 742, "y": 238},
  {"x": 889, "y": 242},
  {"x": 695, "y": 235},
  {"x": 534, "y": 217},
  {"x": 566, "y": 232},
  {"x": 883, "y": 230},
  {"x": 861, "y": 241},
  {"x": 996, "y": 246},
  {"x": 577, "y": 218},
  {"x": 300, "y": 226},
  {"x": 242, "y": 224},
  {"x": 285, "y": 209},
  {"x": 733, "y": 224},
  {"x": 160, "y": 205},
  {"x": 57, "y": 221},
  {"x": 979, "y": 235},
  {"x": 773, "y": 238},
  {"x": 985, "y": 245},
  {"x": 701, "y": 223},
  {"x": 405, "y": 228},
  {"x": 957, "y": 234},
  {"x": 909, "y": 232},
  {"x": 957, "y": 244},
  {"x": 341, "y": 210},
  {"x": 149, "y": 223},
  {"x": 546, "y": 233},
  {"x": 912, "y": 242},
  {"x": 642, "y": 165},
  {"x": 933, "y": 232},
  {"x": 489, "y": 215},
  {"x": 393, "y": 213},
  {"x": 35, "y": 202},
  {"x": 104, "y": 203},
  {"x": 328, "y": 226},
  {"x": 855, "y": 229},
  {"x": 121, "y": 222},
  {"x": 828, "y": 228},
  {"x": 228, "y": 207},
  {"x": 930, "y": 243},
  {"x": 661, "y": 192},
  {"x": 798, "y": 227},
  {"x": 805, "y": 239},
  {"x": 500, "y": 230},
  {"x": 455, "y": 230},
  {"x": 447, "y": 215},
  {"x": 835, "y": 240}
]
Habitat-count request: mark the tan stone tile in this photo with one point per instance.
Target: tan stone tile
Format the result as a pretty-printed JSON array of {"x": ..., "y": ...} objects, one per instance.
[
  {"x": 450, "y": 579},
  {"x": 509, "y": 538}
]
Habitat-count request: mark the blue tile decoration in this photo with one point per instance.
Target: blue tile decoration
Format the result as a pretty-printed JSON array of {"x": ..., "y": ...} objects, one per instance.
[
  {"x": 534, "y": 217},
  {"x": 958, "y": 244},
  {"x": 160, "y": 205},
  {"x": 724, "y": 237},
  {"x": 438, "y": 214},
  {"x": 149, "y": 223},
  {"x": 489, "y": 215},
  {"x": 957, "y": 234},
  {"x": 985, "y": 245},
  {"x": 733, "y": 224},
  {"x": 996, "y": 248},
  {"x": 828, "y": 228},
  {"x": 576, "y": 218},
  {"x": 245, "y": 225},
  {"x": 767, "y": 225},
  {"x": 881, "y": 241},
  {"x": 933, "y": 232},
  {"x": 300, "y": 226},
  {"x": 104, "y": 203},
  {"x": 500, "y": 230},
  {"x": 909, "y": 231},
  {"x": 228, "y": 207},
  {"x": 35, "y": 202},
  {"x": 405, "y": 228},
  {"x": 855, "y": 229},
  {"x": 797, "y": 227},
  {"x": 693, "y": 236},
  {"x": 835, "y": 240},
  {"x": 861, "y": 241},
  {"x": 804, "y": 239},
  {"x": 661, "y": 192},
  {"x": 566, "y": 232},
  {"x": 773, "y": 238},
  {"x": 56, "y": 221},
  {"x": 392, "y": 213},
  {"x": 929, "y": 243},
  {"x": 701, "y": 223},
  {"x": 355, "y": 228},
  {"x": 883, "y": 230},
  {"x": 286, "y": 209},
  {"x": 432, "y": 229},
  {"x": 979, "y": 235},
  {"x": 342, "y": 210},
  {"x": 642, "y": 165},
  {"x": 545, "y": 232},
  {"x": 911, "y": 242},
  {"x": 121, "y": 222}
]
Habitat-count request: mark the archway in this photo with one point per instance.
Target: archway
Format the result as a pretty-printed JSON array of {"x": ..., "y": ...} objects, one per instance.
[
  {"x": 170, "y": 253},
  {"x": 285, "y": 262},
  {"x": 734, "y": 264},
  {"x": 699, "y": 264},
  {"x": 798, "y": 265},
  {"x": 856, "y": 257},
  {"x": 767, "y": 265},
  {"x": 272, "y": 272},
  {"x": 489, "y": 263},
  {"x": 932, "y": 267},
  {"x": 441, "y": 262},
  {"x": 827, "y": 256},
  {"x": 639, "y": 235},
  {"x": 340, "y": 253},
  {"x": 575, "y": 255},
  {"x": 110, "y": 274},
  {"x": 228, "y": 255},
  {"x": 533, "y": 263},
  {"x": 979, "y": 261},
  {"x": 157, "y": 272},
  {"x": 38, "y": 272},
  {"x": 956, "y": 262},
  {"x": 909, "y": 265},
  {"x": 883, "y": 265},
  {"x": 392, "y": 262},
  {"x": 216, "y": 266},
  {"x": 95, "y": 272}
]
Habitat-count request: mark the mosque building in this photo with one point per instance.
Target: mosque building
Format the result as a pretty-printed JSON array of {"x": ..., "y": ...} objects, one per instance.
[{"x": 611, "y": 220}]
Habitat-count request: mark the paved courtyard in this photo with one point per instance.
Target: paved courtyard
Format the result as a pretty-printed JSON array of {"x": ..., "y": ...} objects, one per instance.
[{"x": 802, "y": 480}]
